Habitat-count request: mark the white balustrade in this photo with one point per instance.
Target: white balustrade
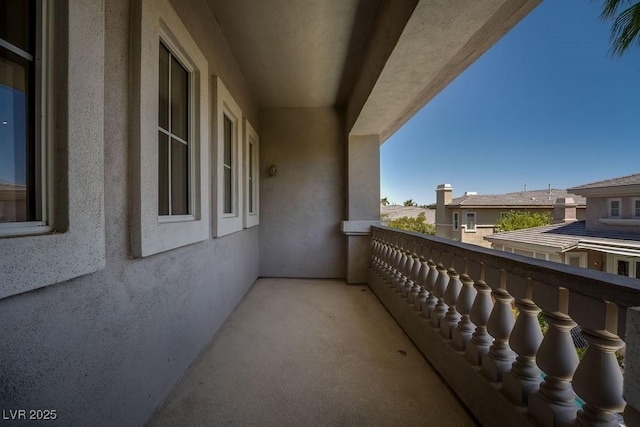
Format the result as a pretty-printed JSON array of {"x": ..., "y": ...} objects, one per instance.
[{"x": 500, "y": 356}]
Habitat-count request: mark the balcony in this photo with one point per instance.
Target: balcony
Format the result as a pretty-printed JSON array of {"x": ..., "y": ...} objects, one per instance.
[{"x": 297, "y": 351}]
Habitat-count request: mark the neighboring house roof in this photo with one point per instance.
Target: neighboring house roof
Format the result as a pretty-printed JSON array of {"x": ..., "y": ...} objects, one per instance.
[
  {"x": 564, "y": 237},
  {"x": 520, "y": 199},
  {"x": 615, "y": 182}
]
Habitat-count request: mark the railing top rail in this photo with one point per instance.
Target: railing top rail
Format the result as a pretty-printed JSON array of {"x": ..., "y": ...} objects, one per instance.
[{"x": 622, "y": 291}]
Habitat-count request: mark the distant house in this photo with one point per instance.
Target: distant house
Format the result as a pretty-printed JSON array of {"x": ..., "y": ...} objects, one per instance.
[
  {"x": 473, "y": 216},
  {"x": 608, "y": 240}
]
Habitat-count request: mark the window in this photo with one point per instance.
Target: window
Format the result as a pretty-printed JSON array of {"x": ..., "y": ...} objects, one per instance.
[
  {"x": 173, "y": 136},
  {"x": 170, "y": 145},
  {"x": 576, "y": 259},
  {"x": 456, "y": 220},
  {"x": 23, "y": 172},
  {"x": 636, "y": 208},
  {"x": 252, "y": 176},
  {"x": 52, "y": 145},
  {"x": 614, "y": 208},
  {"x": 471, "y": 221},
  {"x": 230, "y": 202},
  {"x": 624, "y": 265}
]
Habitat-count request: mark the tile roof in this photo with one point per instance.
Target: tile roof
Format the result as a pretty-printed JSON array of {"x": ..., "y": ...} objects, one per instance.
[
  {"x": 546, "y": 198},
  {"x": 564, "y": 236},
  {"x": 615, "y": 182}
]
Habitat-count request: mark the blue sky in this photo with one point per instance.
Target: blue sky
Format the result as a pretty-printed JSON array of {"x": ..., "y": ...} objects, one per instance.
[{"x": 547, "y": 104}]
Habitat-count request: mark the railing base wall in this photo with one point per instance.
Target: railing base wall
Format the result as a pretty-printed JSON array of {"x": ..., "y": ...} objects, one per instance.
[{"x": 483, "y": 398}]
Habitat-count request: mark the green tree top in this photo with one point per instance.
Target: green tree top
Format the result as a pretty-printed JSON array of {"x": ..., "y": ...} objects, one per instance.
[
  {"x": 410, "y": 202},
  {"x": 384, "y": 201},
  {"x": 517, "y": 220},
  {"x": 418, "y": 224}
]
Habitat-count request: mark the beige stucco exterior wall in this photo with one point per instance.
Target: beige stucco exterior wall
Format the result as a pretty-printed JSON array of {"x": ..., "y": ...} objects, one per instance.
[
  {"x": 302, "y": 207},
  {"x": 598, "y": 207},
  {"x": 106, "y": 348}
]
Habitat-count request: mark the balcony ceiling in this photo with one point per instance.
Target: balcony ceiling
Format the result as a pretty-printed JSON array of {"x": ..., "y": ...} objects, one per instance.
[
  {"x": 381, "y": 59},
  {"x": 297, "y": 53}
]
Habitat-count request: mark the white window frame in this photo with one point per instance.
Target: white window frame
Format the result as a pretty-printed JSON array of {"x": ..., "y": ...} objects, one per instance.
[
  {"x": 192, "y": 97},
  {"x": 74, "y": 104},
  {"x": 227, "y": 223},
  {"x": 466, "y": 222},
  {"x": 612, "y": 264},
  {"x": 251, "y": 141},
  {"x": 609, "y": 209},
  {"x": 635, "y": 207},
  {"x": 456, "y": 221},
  {"x": 150, "y": 233}
]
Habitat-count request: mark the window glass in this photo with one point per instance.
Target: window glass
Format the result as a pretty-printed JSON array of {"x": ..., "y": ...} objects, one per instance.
[
  {"x": 179, "y": 100},
  {"x": 614, "y": 210},
  {"x": 637, "y": 269},
  {"x": 19, "y": 189},
  {"x": 636, "y": 208},
  {"x": 251, "y": 189},
  {"x": 163, "y": 80},
  {"x": 623, "y": 268},
  {"x": 173, "y": 136},
  {"x": 179, "y": 178},
  {"x": 228, "y": 167},
  {"x": 471, "y": 221}
]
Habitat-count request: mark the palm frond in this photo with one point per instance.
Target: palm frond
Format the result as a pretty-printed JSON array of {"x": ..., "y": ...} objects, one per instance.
[
  {"x": 626, "y": 29},
  {"x": 611, "y": 8}
]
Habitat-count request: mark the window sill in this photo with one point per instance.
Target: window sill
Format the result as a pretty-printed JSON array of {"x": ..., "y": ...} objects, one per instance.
[{"x": 621, "y": 221}]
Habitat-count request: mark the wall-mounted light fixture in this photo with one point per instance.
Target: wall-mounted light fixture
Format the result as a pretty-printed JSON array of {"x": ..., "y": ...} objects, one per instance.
[{"x": 273, "y": 169}]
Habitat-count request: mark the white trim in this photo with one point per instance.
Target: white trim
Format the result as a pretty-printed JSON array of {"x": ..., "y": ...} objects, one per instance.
[
  {"x": 155, "y": 21},
  {"x": 357, "y": 227},
  {"x": 634, "y": 201},
  {"x": 251, "y": 141},
  {"x": 226, "y": 105},
  {"x": 612, "y": 263}
]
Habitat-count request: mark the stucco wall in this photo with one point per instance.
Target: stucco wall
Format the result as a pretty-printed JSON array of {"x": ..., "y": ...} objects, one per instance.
[
  {"x": 598, "y": 207},
  {"x": 301, "y": 208},
  {"x": 105, "y": 348}
]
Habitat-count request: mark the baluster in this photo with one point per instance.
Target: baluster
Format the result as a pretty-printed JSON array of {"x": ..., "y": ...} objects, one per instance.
[
  {"x": 387, "y": 262},
  {"x": 398, "y": 279},
  {"x": 412, "y": 292},
  {"x": 602, "y": 391},
  {"x": 554, "y": 404},
  {"x": 412, "y": 258},
  {"x": 462, "y": 334},
  {"x": 451, "y": 319},
  {"x": 421, "y": 298},
  {"x": 526, "y": 337},
  {"x": 501, "y": 320},
  {"x": 376, "y": 249},
  {"x": 394, "y": 260},
  {"x": 480, "y": 341},
  {"x": 430, "y": 283},
  {"x": 438, "y": 290},
  {"x": 400, "y": 260}
]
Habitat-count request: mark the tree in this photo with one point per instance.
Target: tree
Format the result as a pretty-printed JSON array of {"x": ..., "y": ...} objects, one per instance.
[
  {"x": 626, "y": 24},
  {"x": 410, "y": 203},
  {"x": 517, "y": 220},
  {"x": 384, "y": 201},
  {"x": 418, "y": 224}
]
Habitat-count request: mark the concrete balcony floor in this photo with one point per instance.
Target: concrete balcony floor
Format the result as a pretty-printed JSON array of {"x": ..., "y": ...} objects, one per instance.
[{"x": 311, "y": 352}]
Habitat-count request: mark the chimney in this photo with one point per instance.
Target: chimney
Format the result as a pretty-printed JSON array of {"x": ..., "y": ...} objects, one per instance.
[
  {"x": 443, "y": 198},
  {"x": 564, "y": 210}
]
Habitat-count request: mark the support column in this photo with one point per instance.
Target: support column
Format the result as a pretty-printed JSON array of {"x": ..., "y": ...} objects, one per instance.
[{"x": 363, "y": 203}]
